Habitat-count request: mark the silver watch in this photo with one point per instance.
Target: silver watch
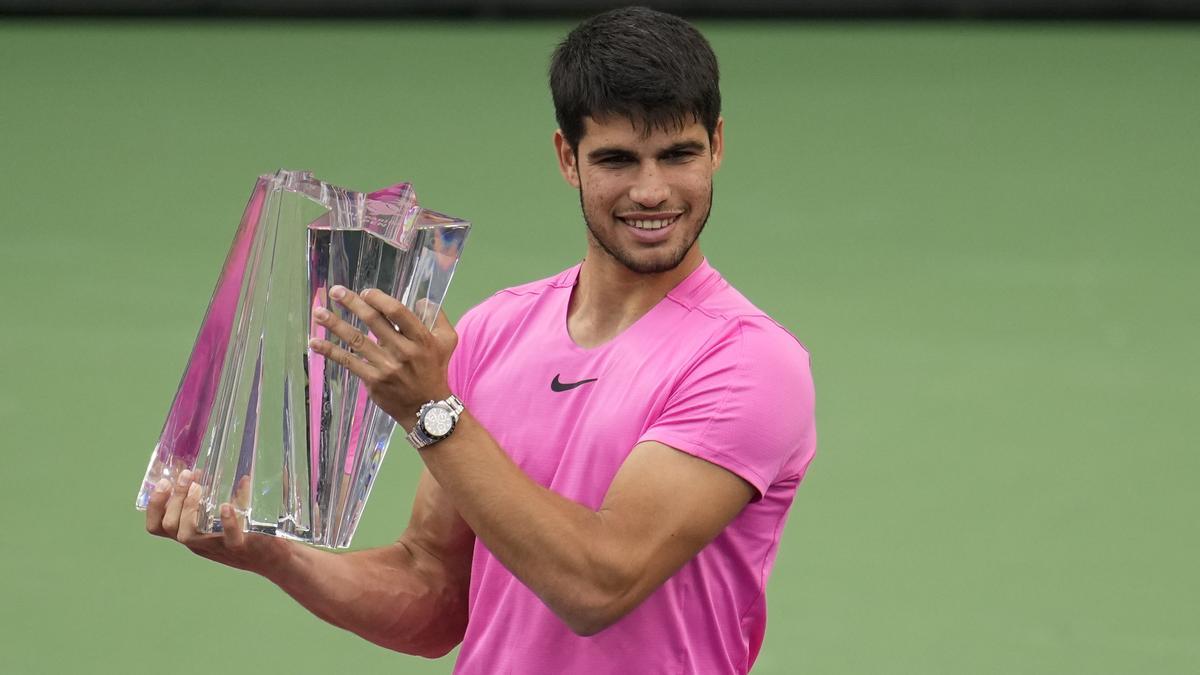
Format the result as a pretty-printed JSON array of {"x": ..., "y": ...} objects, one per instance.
[{"x": 435, "y": 421}]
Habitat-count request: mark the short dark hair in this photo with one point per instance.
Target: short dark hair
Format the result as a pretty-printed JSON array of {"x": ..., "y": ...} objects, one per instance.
[{"x": 654, "y": 68}]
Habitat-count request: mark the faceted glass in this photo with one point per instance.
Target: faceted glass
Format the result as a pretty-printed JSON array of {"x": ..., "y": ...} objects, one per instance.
[{"x": 291, "y": 440}]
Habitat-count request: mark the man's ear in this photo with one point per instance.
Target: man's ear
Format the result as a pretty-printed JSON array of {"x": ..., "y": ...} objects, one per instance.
[
  {"x": 718, "y": 143},
  {"x": 568, "y": 161}
]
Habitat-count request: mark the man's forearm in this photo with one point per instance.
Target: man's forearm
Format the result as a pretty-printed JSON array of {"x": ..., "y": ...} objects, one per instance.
[
  {"x": 396, "y": 596},
  {"x": 410, "y": 596}
]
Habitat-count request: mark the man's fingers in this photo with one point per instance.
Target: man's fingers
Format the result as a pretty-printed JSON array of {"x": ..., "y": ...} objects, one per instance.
[
  {"x": 188, "y": 515},
  {"x": 171, "y": 514},
  {"x": 383, "y": 329},
  {"x": 350, "y": 361},
  {"x": 354, "y": 339},
  {"x": 402, "y": 317},
  {"x": 157, "y": 506},
  {"x": 241, "y": 493},
  {"x": 231, "y": 528}
]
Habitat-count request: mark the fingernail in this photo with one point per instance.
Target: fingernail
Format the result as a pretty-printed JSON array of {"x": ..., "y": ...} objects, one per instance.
[
  {"x": 162, "y": 485},
  {"x": 321, "y": 314},
  {"x": 314, "y": 344},
  {"x": 185, "y": 478},
  {"x": 193, "y": 490},
  {"x": 365, "y": 292},
  {"x": 337, "y": 292},
  {"x": 226, "y": 511}
]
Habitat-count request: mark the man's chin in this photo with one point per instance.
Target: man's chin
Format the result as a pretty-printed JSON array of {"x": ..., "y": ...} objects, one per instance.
[{"x": 657, "y": 263}]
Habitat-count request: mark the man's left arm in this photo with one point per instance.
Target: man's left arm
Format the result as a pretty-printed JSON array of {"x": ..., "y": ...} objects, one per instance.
[{"x": 590, "y": 567}]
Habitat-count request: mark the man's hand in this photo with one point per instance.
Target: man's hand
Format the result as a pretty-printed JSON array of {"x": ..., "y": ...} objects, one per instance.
[
  {"x": 405, "y": 364},
  {"x": 172, "y": 513}
]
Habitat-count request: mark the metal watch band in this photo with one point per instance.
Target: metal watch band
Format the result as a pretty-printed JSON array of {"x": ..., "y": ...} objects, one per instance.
[{"x": 418, "y": 438}]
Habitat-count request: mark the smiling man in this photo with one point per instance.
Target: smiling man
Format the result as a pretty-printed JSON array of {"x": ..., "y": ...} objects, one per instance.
[{"x": 611, "y": 453}]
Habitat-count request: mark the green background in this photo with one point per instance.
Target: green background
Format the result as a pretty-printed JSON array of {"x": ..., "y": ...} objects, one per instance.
[{"x": 985, "y": 233}]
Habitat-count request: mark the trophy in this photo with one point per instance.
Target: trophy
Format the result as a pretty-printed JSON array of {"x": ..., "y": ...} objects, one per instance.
[{"x": 291, "y": 439}]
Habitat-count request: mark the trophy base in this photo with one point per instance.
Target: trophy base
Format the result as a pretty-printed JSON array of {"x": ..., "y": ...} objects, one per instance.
[{"x": 273, "y": 530}]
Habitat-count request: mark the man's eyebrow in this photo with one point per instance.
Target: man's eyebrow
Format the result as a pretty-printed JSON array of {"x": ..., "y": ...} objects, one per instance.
[
  {"x": 615, "y": 151},
  {"x": 685, "y": 146}
]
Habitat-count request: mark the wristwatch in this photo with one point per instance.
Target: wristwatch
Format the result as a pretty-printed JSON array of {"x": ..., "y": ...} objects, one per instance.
[{"x": 435, "y": 421}]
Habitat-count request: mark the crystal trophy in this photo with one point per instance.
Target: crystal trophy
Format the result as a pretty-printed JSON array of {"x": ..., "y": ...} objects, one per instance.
[{"x": 291, "y": 439}]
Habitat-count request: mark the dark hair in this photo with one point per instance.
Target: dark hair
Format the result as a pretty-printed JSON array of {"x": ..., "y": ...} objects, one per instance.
[{"x": 655, "y": 69}]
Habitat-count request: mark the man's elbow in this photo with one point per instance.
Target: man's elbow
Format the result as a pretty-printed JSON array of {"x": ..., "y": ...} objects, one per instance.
[
  {"x": 428, "y": 645},
  {"x": 435, "y": 651},
  {"x": 606, "y": 587},
  {"x": 587, "y": 624},
  {"x": 432, "y": 632},
  {"x": 591, "y": 613},
  {"x": 587, "y": 627}
]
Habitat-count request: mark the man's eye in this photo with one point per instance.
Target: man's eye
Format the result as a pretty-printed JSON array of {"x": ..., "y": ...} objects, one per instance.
[{"x": 614, "y": 160}]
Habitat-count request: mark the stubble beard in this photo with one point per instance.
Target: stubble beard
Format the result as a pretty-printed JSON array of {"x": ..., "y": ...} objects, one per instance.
[{"x": 628, "y": 259}]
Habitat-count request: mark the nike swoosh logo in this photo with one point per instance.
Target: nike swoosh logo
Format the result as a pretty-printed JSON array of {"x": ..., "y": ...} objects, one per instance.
[{"x": 555, "y": 385}]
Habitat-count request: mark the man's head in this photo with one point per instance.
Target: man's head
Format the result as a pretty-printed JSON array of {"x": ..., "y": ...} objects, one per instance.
[
  {"x": 640, "y": 134},
  {"x": 646, "y": 66}
]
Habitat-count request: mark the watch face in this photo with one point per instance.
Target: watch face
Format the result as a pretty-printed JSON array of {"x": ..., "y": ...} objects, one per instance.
[{"x": 437, "y": 421}]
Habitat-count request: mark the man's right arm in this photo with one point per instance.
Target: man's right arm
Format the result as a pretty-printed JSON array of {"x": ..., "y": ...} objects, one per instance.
[{"x": 410, "y": 596}]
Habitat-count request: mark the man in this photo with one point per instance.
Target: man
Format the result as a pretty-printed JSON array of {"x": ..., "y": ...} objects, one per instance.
[{"x": 610, "y": 453}]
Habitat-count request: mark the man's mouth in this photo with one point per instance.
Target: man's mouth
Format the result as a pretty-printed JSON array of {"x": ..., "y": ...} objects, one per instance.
[{"x": 649, "y": 224}]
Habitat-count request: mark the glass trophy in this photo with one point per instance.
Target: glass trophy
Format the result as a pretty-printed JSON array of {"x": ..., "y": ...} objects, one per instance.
[{"x": 290, "y": 439}]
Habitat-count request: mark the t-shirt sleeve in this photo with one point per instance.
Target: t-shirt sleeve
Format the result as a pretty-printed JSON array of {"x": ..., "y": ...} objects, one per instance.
[{"x": 745, "y": 404}]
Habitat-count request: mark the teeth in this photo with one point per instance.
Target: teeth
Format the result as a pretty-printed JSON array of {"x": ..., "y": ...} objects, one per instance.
[{"x": 650, "y": 224}]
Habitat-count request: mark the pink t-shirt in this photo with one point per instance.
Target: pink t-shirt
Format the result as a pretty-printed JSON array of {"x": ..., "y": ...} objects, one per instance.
[{"x": 704, "y": 372}]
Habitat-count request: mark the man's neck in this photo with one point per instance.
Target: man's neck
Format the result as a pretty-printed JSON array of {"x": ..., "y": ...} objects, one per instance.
[{"x": 609, "y": 297}]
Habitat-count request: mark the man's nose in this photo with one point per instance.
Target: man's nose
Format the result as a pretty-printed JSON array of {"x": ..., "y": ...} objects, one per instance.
[{"x": 650, "y": 187}]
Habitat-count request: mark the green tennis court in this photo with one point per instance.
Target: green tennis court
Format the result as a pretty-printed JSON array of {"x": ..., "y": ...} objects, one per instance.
[{"x": 986, "y": 234}]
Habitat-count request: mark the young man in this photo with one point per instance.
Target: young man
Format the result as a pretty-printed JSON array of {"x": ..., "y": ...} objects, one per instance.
[{"x": 610, "y": 453}]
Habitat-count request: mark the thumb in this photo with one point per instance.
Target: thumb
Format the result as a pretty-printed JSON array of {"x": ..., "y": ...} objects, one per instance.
[
  {"x": 442, "y": 323},
  {"x": 443, "y": 331},
  {"x": 424, "y": 309}
]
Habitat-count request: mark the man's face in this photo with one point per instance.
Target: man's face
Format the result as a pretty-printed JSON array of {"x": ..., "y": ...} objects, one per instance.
[{"x": 645, "y": 197}]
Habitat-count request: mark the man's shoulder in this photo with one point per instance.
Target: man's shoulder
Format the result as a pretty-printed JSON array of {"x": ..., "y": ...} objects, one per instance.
[
  {"x": 730, "y": 315},
  {"x": 563, "y": 279},
  {"x": 508, "y": 303}
]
